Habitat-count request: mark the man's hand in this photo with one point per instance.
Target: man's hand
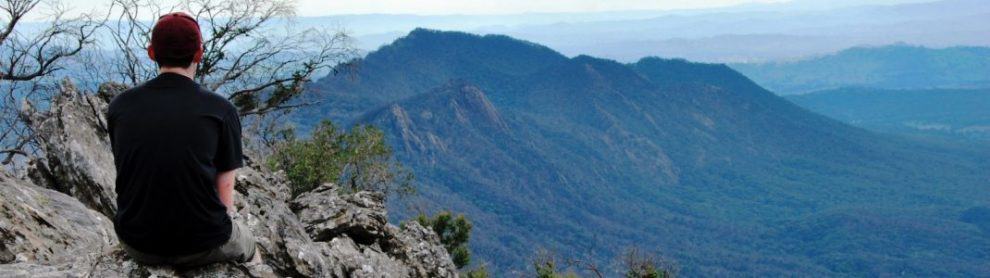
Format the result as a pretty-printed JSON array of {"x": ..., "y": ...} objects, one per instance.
[{"x": 225, "y": 187}]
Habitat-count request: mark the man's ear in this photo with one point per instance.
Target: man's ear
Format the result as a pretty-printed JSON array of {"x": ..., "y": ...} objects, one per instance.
[
  {"x": 199, "y": 55},
  {"x": 151, "y": 53}
]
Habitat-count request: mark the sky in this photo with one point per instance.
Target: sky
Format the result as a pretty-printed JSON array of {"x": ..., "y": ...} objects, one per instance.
[
  {"x": 433, "y": 7},
  {"x": 445, "y": 7},
  {"x": 488, "y": 7}
]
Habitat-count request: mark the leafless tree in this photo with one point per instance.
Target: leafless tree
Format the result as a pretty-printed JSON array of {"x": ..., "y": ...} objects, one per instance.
[
  {"x": 28, "y": 56},
  {"x": 30, "y": 53},
  {"x": 586, "y": 265},
  {"x": 252, "y": 54}
]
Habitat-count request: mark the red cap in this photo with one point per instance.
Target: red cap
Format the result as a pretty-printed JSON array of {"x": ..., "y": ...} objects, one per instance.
[{"x": 176, "y": 36}]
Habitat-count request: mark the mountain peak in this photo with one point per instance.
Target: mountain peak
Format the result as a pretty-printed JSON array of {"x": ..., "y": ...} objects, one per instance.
[
  {"x": 428, "y": 123},
  {"x": 676, "y": 72},
  {"x": 426, "y": 59},
  {"x": 455, "y": 42},
  {"x": 456, "y": 102}
]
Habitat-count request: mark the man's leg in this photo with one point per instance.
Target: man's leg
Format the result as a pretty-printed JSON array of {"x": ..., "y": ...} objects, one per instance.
[
  {"x": 243, "y": 247},
  {"x": 144, "y": 258},
  {"x": 239, "y": 248}
]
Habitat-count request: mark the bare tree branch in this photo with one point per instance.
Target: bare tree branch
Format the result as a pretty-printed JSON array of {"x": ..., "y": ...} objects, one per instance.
[
  {"x": 28, "y": 59},
  {"x": 252, "y": 54}
]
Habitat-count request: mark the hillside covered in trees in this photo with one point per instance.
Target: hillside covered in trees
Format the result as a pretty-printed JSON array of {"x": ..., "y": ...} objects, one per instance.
[
  {"x": 940, "y": 113},
  {"x": 586, "y": 157}
]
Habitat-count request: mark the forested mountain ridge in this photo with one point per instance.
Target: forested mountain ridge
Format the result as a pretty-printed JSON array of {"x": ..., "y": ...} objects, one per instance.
[
  {"x": 586, "y": 156},
  {"x": 942, "y": 113},
  {"x": 888, "y": 67},
  {"x": 401, "y": 69}
]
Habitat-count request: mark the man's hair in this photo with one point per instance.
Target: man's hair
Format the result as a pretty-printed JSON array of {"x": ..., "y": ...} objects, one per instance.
[
  {"x": 174, "y": 62},
  {"x": 176, "y": 40}
]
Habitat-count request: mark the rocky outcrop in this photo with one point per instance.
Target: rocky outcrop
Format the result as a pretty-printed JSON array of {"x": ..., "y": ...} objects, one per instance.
[
  {"x": 39, "y": 224},
  {"x": 328, "y": 215},
  {"x": 57, "y": 225},
  {"x": 77, "y": 159},
  {"x": 350, "y": 221}
]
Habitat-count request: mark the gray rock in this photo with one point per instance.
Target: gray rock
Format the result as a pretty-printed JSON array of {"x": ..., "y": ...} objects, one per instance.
[
  {"x": 363, "y": 243},
  {"x": 420, "y": 248},
  {"x": 358, "y": 261},
  {"x": 285, "y": 245},
  {"x": 42, "y": 225},
  {"x": 77, "y": 160},
  {"x": 116, "y": 264},
  {"x": 326, "y": 214},
  {"x": 45, "y": 233}
]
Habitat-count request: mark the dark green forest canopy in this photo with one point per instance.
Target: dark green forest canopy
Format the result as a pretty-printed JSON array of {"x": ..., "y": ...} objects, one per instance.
[{"x": 955, "y": 114}]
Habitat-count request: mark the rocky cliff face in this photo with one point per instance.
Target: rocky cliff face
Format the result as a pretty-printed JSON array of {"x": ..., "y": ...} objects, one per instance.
[{"x": 57, "y": 225}]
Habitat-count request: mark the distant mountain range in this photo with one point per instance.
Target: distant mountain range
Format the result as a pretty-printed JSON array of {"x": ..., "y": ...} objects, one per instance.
[
  {"x": 889, "y": 67},
  {"x": 949, "y": 113},
  {"x": 759, "y": 32},
  {"x": 587, "y": 156}
]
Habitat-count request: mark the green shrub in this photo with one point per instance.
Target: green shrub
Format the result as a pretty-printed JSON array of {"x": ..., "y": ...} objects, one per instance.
[
  {"x": 641, "y": 265},
  {"x": 454, "y": 233},
  {"x": 356, "y": 160},
  {"x": 546, "y": 266},
  {"x": 479, "y": 272}
]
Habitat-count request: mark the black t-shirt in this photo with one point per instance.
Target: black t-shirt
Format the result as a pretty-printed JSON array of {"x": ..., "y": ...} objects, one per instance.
[{"x": 170, "y": 139}]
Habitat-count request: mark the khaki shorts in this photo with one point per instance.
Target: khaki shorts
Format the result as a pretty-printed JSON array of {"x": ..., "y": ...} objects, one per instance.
[{"x": 239, "y": 248}]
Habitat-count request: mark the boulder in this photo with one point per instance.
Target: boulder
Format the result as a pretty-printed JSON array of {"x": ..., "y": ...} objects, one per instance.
[
  {"x": 327, "y": 214},
  {"x": 363, "y": 243},
  {"x": 43, "y": 225},
  {"x": 77, "y": 160}
]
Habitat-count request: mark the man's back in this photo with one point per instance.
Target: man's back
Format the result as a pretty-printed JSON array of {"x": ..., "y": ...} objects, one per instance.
[{"x": 170, "y": 139}]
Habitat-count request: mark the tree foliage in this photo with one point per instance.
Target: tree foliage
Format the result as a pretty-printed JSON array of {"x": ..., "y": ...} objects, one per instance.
[
  {"x": 358, "y": 159},
  {"x": 454, "y": 232},
  {"x": 548, "y": 265},
  {"x": 642, "y": 265},
  {"x": 636, "y": 263},
  {"x": 479, "y": 272}
]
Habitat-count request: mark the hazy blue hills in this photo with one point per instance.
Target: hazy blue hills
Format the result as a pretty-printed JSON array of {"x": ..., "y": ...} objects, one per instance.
[
  {"x": 757, "y": 32},
  {"x": 890, "y": 67},
  {"x": 901, "y": 89},
  {"x": 951, "y": 113},
  {"x": 587, "y": 156},
  {"x": 773, "y": 31}
]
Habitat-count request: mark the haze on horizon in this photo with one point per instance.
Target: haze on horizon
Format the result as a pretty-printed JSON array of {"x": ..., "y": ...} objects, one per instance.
[
  {"x": 724, "y": 31},
  {"x": 313, "y": 8}
]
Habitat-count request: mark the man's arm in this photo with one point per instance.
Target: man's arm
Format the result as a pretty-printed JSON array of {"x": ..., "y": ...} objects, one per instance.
[
  {"x": 225, "y": 187},
  {"x": 229, "y": 156}
]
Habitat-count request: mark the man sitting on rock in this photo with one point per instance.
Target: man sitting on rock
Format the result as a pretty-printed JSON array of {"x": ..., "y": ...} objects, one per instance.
[{"x": 176, "y": 146}]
